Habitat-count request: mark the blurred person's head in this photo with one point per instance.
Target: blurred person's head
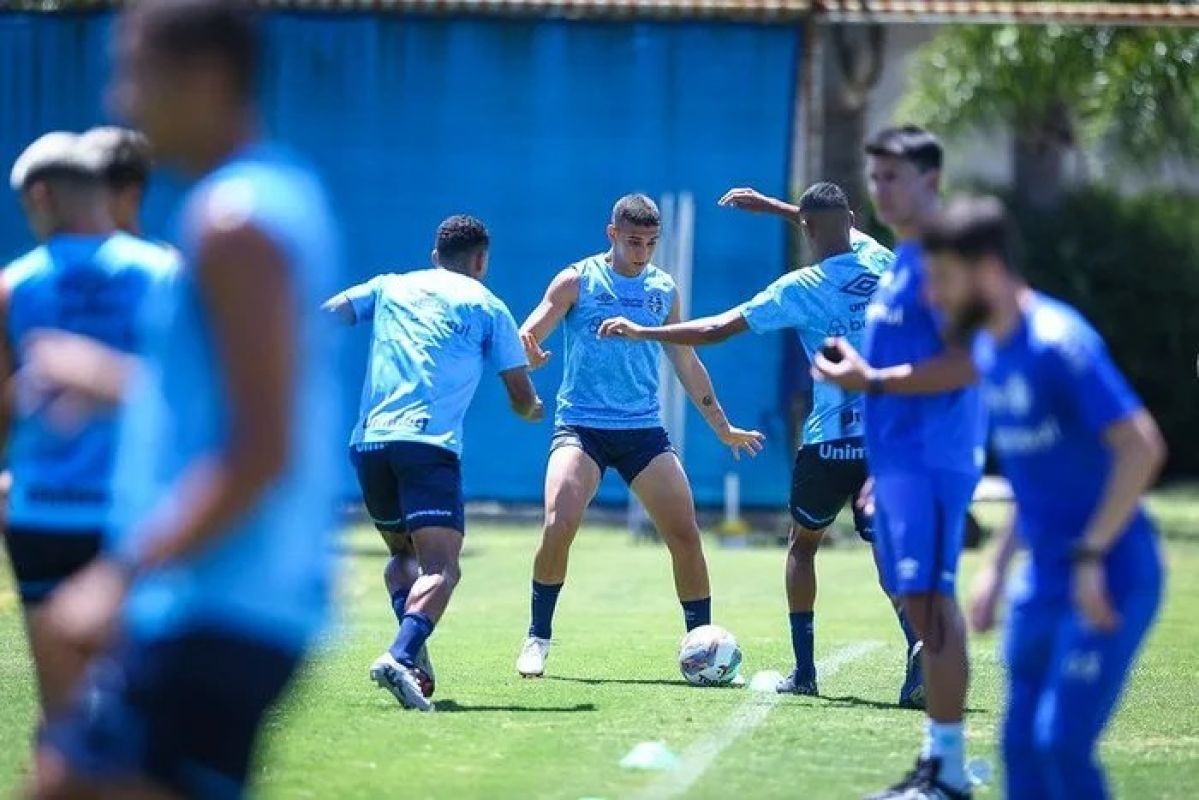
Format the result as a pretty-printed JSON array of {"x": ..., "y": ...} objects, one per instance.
[
  {"x": 633, "y": 231},
  {"x": 970, "y": 251},
  {"x": 463, "y": 246},
  {"x": 903, "y": 172},
  {"x": 126, "y": 163},
  {"x": 185, "y": 75},
  {"x": 826, "y": 219},
  {"x": 59, "y": 179}
]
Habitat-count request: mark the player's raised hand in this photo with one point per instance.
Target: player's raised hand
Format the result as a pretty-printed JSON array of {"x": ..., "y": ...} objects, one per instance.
[
  {"x": 619, "y": 327},
  {"x": 537, "y": 357},
  {"x": 984, "y": 598},
  {"x": 747, "y": 199},
  {"x": 1091, "y": 597},
  {"x": 839, "y": 363},
  {"x": 739, "y": 439}
]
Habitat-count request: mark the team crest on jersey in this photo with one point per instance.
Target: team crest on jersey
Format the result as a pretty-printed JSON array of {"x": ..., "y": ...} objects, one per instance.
[
  {"x": 861, "y": 286},
  {"x": 656, "y": 303}
]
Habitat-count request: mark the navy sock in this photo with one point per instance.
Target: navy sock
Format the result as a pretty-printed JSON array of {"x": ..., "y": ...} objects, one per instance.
[
  {"x": 803, "y": 635},
  {"x": 399, "y": 599},
  {"x": 908, "y": 632},
  {"x": 697, "y": 612},
  {"x": 415, "y": 628},
  {"x": 545, "y": 599}
]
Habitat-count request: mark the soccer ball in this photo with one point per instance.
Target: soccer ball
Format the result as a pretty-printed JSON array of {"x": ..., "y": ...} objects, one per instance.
[{"x": 709, "y": 656}]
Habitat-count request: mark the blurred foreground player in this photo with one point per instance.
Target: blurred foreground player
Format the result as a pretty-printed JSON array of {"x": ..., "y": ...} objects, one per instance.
[
  {"x": 90, "y": 280},
  {"x": 433, "y": 333},
  {"x": 219, "y": 573},
  {"x": 1079, "y": 450}
]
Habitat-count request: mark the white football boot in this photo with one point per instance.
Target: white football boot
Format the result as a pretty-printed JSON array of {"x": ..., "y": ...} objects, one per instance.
[
  {"x": 401, "y": 681},
  {"x": 531, "y": 661}
]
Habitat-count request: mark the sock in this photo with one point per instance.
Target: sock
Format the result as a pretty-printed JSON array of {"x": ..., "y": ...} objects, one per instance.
[
  {"x": 945, "y": 741},
  {"x": 399, "y": 599},
  {"x": 415, "y": 628},
  {"x": 803, "y": 627},
  {"x": 545, "y": 598},
  {"x": 697, "y": 612},
  {"x": 908, "y": 632}
]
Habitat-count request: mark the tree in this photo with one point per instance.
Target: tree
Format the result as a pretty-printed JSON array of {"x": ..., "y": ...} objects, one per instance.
[
  {"x": 1055, "y": 88},
  {"x": 853, "y": 61}
]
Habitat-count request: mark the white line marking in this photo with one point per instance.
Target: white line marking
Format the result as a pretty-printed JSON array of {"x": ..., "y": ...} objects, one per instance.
[{"x": 747, "y": 716}]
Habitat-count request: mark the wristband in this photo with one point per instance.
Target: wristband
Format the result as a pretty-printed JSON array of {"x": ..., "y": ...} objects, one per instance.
[
  {"x": 874, "y": 386},
  {"x": 1084, "y": 553}
]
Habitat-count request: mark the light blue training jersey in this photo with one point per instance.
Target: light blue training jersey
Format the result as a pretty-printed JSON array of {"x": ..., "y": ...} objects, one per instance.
[
  {"x": 432, "y": 333},
  {"x": 613, "y": 383},
  {"x": 826, "y": 300},
  {"x": 268, "y": 574},
  {"x": 93, "y": 286}
]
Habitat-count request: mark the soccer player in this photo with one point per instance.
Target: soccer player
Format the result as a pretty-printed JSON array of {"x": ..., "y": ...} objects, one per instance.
[
  {"x": 1080, "y": 450},
  {"x": 87, "y": 279},
  {"x": 826, "y": 299},
  {"x": 218, "y": 575},
  {"x": 924, "y": 429},
  {"x": 608, "y": 415},
  {"x": 434, "y": 331},
  {"x": 126, "y": 164}
]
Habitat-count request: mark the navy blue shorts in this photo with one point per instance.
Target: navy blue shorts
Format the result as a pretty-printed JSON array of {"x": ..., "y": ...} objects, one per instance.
[
  {"x": 628, "y": 451},
  {"x": 182, "y": 712},
  {"x": 42, "y": 558},
  {"x": 407, "y": 486},
  {"x": 826, "y": 477}
]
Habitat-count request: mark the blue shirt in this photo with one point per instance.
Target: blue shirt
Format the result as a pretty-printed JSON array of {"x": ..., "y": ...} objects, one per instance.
[
  {"x": 94, "y": 286},
  {"x": 877, "y": 258},
  {"x": 433, "y": 331},
  {"x": 268, "y": 574},
  {"x": 915, "y": 432},
  {"x": 828, "y": 299},
  {"x": 613, "y": 383},
  {"x": 1051, "y": 392}
]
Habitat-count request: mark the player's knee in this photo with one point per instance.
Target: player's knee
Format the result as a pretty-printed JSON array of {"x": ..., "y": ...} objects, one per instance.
[
  {"x": 682, "y": 538},
  {"x": 1063, "y": 751},
  {"x": 921, "y": 612},
  {"x": 803, "y": 543}
]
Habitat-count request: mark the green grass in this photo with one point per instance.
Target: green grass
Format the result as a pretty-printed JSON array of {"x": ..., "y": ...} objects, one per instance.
[{"x": 614, "y": 683}]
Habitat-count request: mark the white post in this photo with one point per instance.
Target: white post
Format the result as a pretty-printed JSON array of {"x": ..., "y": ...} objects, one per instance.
[{"x": 732, "y": 524}]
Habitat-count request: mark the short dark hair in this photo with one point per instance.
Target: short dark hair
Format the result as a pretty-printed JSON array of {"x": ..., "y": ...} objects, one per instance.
[
  {"x": 637, "y": 210},
  {"x": 910, "y": 143},
  {"x": 823, "y": 196},
  {"x": 186, "y": 29},
  {"x": 973, "y": 227},
  {"x": 460, "y": 236},
  {"x": 124, "y": 153}
]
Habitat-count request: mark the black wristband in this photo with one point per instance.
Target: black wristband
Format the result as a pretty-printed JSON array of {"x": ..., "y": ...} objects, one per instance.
[
  {"x": 874, "y": 386},
  {"x": 1083, "y": 553}
]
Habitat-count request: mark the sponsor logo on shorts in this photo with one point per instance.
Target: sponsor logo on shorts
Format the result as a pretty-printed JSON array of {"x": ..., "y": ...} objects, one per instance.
[
  {"x": 429, "y": 512},
  {"x": 907, "y": 568},
  {"x": 1083, "y": 666}
]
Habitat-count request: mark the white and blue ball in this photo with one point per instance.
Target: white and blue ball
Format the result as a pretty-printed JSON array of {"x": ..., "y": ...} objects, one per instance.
[{"x": 709, "y": 656}]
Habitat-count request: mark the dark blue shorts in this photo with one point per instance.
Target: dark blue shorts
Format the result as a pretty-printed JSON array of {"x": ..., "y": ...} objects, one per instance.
[
  {"x": 407, "y": 486},
  {"x": 826, "y": 477},
  {"x": 42, "y": 558},
  {"x": 628, "y": 451},
  {"x": 918, "y": 529},
  {"x": 182, "y": 712}
]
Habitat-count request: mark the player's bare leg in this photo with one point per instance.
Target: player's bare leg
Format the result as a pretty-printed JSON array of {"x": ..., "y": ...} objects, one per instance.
[
  {"x": 401, "y": 572},
  {"x": 800, "y": 579},
  {"x": 571, "y": 480},
  {"x": 663, "y": 489}
]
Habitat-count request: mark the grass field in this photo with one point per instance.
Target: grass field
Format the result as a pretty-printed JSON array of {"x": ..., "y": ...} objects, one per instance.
[{"x": 613, "y": 683}]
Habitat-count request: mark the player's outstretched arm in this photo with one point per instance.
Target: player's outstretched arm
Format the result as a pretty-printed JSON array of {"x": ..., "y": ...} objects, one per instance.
[
  {"x": 562, "y": 294},
  {"x": 522, "y": 396},
  {"x": 841, "y": 364},
  {"x": 354, "y": 305},
  {"x": 703, "y": 331},
  {"x": 752, "y": 200},
  {"x": 340, "y": 307},
  {"x": 698, "y": 384}
]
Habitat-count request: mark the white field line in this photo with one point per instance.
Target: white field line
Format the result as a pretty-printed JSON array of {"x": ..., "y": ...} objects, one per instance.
[{"x": 747, "y": 716}]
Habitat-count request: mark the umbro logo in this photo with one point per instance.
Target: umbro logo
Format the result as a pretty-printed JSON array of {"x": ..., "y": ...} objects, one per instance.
[{"x": 861, "y": 286}]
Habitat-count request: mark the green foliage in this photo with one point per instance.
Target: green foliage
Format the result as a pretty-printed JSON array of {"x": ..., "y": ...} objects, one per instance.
[
  {"x": 1132, "y": 266},
  {"x": 1134, "y": 87}
]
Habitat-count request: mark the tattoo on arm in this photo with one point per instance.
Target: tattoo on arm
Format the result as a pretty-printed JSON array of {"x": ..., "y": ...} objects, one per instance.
[{"x": 707, "y": 400}]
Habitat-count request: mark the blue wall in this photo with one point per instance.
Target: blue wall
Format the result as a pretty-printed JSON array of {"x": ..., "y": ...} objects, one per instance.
[{"x": 535, "y": 126}]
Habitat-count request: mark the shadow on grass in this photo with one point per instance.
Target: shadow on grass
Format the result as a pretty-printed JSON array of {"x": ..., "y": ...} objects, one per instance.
[
  {"x": 454, "y": 707},
  {"x": 861, "y": 702},
  {"x": 620, "y": 681}
]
